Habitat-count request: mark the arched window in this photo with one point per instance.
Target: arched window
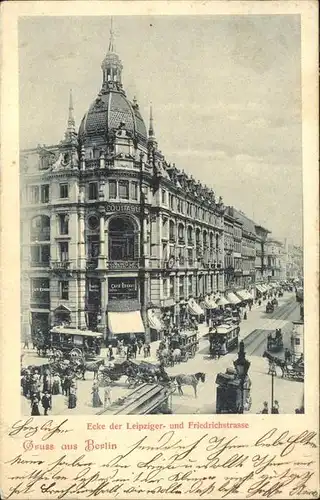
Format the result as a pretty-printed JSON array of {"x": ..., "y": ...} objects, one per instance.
[
  {"x": 197, "y": 235},
  {"x": 217, "y": 241},
  {"x": 172, "y": 235},
  {"x": 40, "y": 228},
  {"x": 204, "y": 239},
  {"x": 211, "y": 242},
  {"x": 181, "y": 233},
  {"x": 190, "y": 235},
  {"x": 122, "y": 239}
]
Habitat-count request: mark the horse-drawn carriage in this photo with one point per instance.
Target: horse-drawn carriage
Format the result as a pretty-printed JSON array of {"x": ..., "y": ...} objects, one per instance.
[
  {"x": 74, "y": 344},
  {"x": 113, "y": 371},
  {"x": 293, "y": 370},
  {"x": 275, "y": 343}
]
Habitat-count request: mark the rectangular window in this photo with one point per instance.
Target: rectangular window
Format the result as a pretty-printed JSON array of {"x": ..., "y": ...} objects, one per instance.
[
  {"x": 64, "y": 290},
  {"x": 93, "y": 190},
  {"x": 45, "y": 193},
  {"x": 40, "y": 254},
  {"x": 64, "y": 251},
  {"x": 171, "y": 285},
  {"x": 163, "y": 196},
  {"x": 34, "y": 194},
  {"x": 181, "y": 287},
  {"x": 165, "y": 287},
  {"x": 190, "y": 285},
  {"x": 64, "y": 191},
  {"x": 93, "y": 246},
  {"x": 64, "y": 224},
  {"x": 112, "y": 189},
  {"x": 124, "y": 190},
  {"x": 134, "y": 190}
]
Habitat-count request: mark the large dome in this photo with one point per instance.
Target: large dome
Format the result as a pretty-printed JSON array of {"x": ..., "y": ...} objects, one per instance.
[{"x": 107, "y": 112}]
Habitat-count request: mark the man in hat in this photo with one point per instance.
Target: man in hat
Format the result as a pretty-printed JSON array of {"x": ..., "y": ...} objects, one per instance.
[
  {"x": 265, "y": 407},
  {"x": 46, "y": 402}
]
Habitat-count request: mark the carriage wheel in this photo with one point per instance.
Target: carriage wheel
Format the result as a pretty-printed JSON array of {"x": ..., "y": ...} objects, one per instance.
[{"x": 76, "y": 353}]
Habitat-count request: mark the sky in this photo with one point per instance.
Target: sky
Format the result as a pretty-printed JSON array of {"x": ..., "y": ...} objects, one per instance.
[{"x": 225, "y": 92}]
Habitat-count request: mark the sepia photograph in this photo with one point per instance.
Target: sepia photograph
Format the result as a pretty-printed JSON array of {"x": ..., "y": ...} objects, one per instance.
[{"x": 161, "y": 215}]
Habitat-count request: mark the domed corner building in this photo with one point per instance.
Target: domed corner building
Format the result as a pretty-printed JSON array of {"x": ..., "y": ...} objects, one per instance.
[{"x": 114, "y": 238}]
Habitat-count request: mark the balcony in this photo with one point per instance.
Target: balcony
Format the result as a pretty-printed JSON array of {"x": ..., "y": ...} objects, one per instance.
[
  {"x": 92, "y": 263},
  {"x": 181, "y": 241},
  {"x": 61, "y": 267},
  {"x": 119, "y": 265}
]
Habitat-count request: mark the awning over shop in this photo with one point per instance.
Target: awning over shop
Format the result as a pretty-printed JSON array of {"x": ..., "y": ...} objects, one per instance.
[
  {"x": 125, "y": 322},
  {"x": 222, "y": 301},
  {"x": 194, "y": 308},
  {"x": 250, "y": 296},
  {"x": 232, "y": 298},
  {"x": 242, "y": 294},
  {"x": 209, "y": 303},
  {"x": 153, "y": 320},
  {"x": 260, "y": 288},
  {"x": 75, "y": 331}
]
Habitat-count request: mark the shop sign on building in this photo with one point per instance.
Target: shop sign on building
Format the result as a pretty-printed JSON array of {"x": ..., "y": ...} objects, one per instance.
[
  {"x": 122, "y": 288},
  {"x": 123, "y": 208}
]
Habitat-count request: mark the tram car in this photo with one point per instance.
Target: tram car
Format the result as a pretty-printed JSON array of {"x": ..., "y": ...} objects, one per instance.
[
  {"x": 226, "y": 337},
  {"x": 186, "y": 341}
]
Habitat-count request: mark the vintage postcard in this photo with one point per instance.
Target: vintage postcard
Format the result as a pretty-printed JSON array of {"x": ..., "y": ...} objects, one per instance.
[{"x": 159, "y": 250}]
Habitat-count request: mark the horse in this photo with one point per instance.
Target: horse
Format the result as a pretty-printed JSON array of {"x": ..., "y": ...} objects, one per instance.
[
  {"x": 277, "y": 361},
  {"x": 94, "y": 367},
  {"x": 192, "y": 380}
]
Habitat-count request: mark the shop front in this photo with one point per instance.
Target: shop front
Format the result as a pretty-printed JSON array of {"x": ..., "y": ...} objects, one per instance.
[{"x": 124, "y": 320}]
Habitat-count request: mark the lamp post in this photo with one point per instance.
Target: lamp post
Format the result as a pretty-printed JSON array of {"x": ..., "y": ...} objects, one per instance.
[{"x": 241, "y": 365}]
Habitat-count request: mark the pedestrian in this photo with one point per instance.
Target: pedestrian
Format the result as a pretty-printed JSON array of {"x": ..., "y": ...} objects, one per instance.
[
  {"x": 72, "y": 398},
  {"x": 26, "y": 342},
  {"x": 140, "y": 344},
  {"x": 107, "y": 395},
  {"x": 287, "y": 356},
  {"x": 46, "y": 382},
  {"x": 110, "y": 351},
  {"x": 275, "y": 408},
  {"x": 265, "y": 407},
  {"x": 145, "y": 351},
  {"x": 250, "y": 306},
  {"x": 259, "y": 302},
  {"x": 46, "y": 402},
  {"x": 245, "y": 315},
  {"x": 35, "y": 406},
  {"x": 24, "y": 385},
  {"x": 56, "y": 384},
  {"x": 148, "y": 350},
  {"x": 134, "y": 349},
  {"x": 96, "y": 400}
]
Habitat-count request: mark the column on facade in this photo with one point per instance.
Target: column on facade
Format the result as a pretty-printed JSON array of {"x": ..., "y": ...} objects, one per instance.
[
  {"x": 73, "y": 232},
  {"x": 25, "y": 305},
  {"x": 81, "y": 241},
  {"x": 54, "y": 221},
  {"x": 81, "y": 299},
  {"x": 145, "y": 243},
  {"x": 102, "y": 256},
  {"x": 160, "y": 236},
  {"x": 104, "y": 299}
]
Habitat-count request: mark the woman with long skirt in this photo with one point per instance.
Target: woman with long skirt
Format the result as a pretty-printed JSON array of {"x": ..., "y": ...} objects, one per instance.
[
  {"x": 72, "y": 398},
  {"x": 96, "y": 400},
  {"x": 35, "y": 407}
]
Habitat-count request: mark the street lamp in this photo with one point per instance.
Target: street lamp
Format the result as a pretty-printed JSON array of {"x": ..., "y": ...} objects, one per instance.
[{"x": 242, "y": 365}]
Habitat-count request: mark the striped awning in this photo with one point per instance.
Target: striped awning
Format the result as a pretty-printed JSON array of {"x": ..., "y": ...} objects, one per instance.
[
  {"x": 242, "y": 294},
  {"x": 209, "y": 303},
  {"x": 75, "y": 331},
  {"x": 260, "y": 288},
  {"x": 153, "y": 320},
  {"x": 222, "y": 301},
  {"x": 194, "y": 308},
  {"x": 125, "y": 322},
  {"x": 232, "y": 298}
]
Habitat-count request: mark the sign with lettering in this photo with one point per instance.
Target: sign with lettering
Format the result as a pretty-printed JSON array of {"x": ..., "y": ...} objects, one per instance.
[
  {"x": 122, "y": 288},
  {"x": 123, "y": 208}
]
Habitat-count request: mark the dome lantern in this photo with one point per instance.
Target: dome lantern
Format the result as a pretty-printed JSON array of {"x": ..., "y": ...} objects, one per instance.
[{"x": 111, "y": 66}]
